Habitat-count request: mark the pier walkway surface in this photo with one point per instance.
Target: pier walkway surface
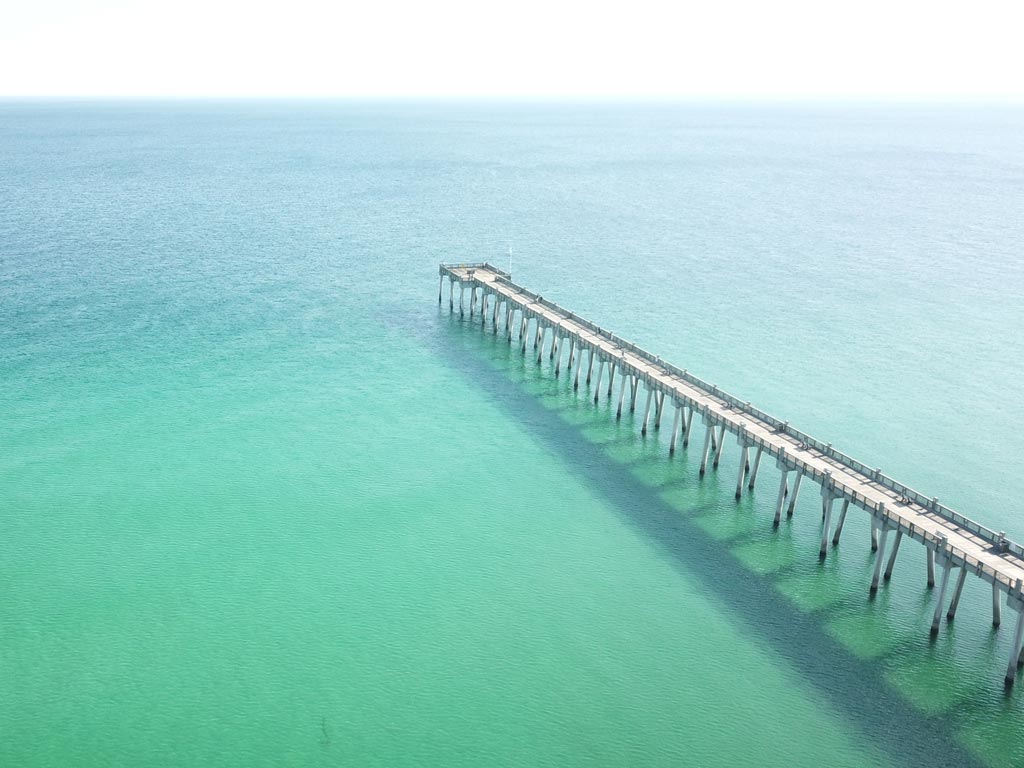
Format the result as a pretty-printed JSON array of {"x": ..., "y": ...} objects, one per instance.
[{"x": 953, "y": 542}]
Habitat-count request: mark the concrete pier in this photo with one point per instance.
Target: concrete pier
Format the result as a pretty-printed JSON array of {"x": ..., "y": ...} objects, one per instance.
[{"x": 952, "y": 541}]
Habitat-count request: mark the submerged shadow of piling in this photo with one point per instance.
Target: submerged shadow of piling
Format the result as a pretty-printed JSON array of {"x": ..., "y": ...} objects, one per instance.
[{"x": 853, "y": 686}]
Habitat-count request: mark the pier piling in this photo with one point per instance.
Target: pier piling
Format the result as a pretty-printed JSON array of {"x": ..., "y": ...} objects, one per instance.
[
  {"x": 880, "y": 556},
  {"x": 892, "y": 557},
  {"x": 842, "y": 521}
]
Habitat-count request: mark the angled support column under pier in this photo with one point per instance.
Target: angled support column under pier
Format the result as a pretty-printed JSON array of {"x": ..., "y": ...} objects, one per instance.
[
  {"x": 785, "y": 469},
  {"x": 675, "y": 429},
  {"x": 579, "y": 367},
  {"x": 783, "y": 490},
  {"x": 997, "y": 616},
  {"x": 757, "y": 464},
  {"x": 930, "y": 558},
  {"x": 892, "y": 557},
  {"x": 612, "y": 368},
  {"x": 954, "y": 601},
  {"x": 707, "y": 448},
  {"x": 743, "y": 470},
  {"x": 600, "y": 374},
  {"x": 828, "y": 497},
  {"x": 745, "y": 446},
  {"x": 635, "y": 390},
  {"x": 883, "y": 527},
  {"x": 1015, "y": 602},
  {"x": 685, "y": 419},
  {"x": 590, "y": 368},
  {"x": 686, "y": 428},
  {"x": 1015, "y": 649},
  {"x": 842, "y": 521},
  {"x": 542, "y": 333},
  {"x": 659, "y": 403},
  {"x": 622, "y": 392},
  {"x": 647, "y": 411},
  {"x": 796, "y": 493},
  {"x": 720, "y": 448},
  {"x": 947, "y": 567}
]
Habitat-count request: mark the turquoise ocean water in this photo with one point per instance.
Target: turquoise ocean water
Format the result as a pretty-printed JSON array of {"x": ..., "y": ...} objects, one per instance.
[{"x": 264, "y": 503}]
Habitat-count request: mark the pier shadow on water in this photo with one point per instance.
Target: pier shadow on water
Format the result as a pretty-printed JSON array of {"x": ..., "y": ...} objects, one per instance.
[{"x": 855, "y": 686}]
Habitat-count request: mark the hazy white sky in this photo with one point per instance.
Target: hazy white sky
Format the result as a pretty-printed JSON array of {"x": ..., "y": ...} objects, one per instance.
[{"x": 923, "y": 49}]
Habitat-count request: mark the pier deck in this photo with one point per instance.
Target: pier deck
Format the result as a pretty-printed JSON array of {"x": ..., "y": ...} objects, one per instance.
[{"x": 953, "y": 541}]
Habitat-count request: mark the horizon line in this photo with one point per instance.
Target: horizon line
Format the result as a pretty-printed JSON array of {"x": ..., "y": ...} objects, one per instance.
[{"x": 569, "y": 98}]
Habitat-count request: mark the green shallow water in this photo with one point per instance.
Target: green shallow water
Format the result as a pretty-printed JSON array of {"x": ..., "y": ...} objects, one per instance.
[{"x": 265, "y": 503}]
